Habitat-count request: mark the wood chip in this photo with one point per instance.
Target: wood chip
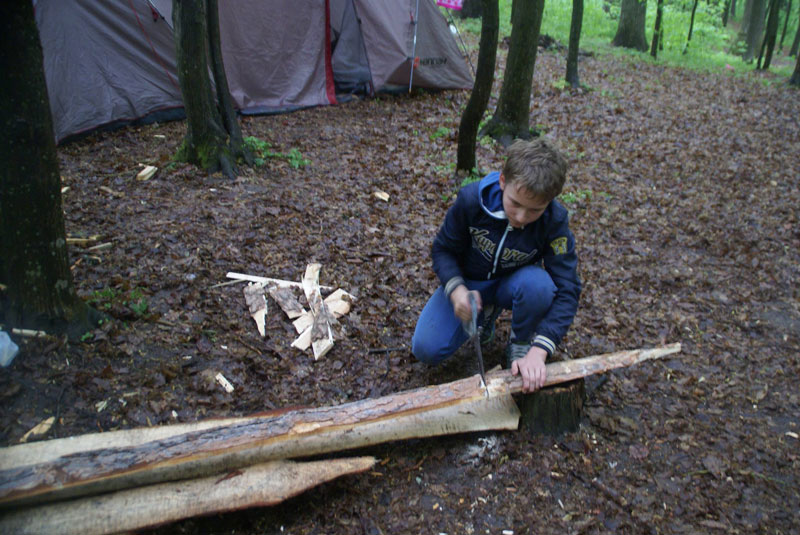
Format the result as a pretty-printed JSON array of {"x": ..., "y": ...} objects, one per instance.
[
  {"x": 39, "y": 429},
  {"x": 382, "y": 195},
  {"x": 257, "y": 303},
  {"x": 147, "y": 173},
  {"x": 287, "y": 301},
  {"x": 224, "y": 382}
]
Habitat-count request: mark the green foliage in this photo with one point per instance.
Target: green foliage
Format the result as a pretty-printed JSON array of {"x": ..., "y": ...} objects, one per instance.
[
  {"x": 262, "y": 151},
  {"x": 109, "y": 298},
  {"x": 474, "y": 176},
  {"x": 442, "y": 131},
  {"x": 570, "y": 197}
]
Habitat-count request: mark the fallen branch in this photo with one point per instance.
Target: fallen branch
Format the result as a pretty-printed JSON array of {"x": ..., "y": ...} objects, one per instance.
[
  {"x": 144, "y": 507},
  {"x": 63, "y": 470}
]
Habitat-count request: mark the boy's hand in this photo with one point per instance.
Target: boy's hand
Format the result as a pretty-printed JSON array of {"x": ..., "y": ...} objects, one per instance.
[
  {"x": 460, "y": 300},
  {"x": 532, "y": 369}
]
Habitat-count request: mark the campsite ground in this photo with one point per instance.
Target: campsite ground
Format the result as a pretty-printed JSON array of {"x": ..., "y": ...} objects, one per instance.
[{"x": 684, "y": 196}]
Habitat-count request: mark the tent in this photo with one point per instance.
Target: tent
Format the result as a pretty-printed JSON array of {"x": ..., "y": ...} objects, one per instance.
[{"x": 113, "y": 62}]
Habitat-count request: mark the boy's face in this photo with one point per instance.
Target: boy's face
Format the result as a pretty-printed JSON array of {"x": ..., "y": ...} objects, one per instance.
[{"x": 520, "y": 206}]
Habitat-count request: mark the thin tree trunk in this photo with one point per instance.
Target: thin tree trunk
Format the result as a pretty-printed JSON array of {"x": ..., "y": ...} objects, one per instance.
[
  {"x": 725, "y": 13},
  {"x": 755, "y": 29},
  {"x": 206, "y": 141},
  {"x": 34, "y": 262},
  {"x": 512, "y": 117},
  {"x": 224, "y": 100},
  {"x": 575, "y": 28},
  {"x": 796, "y": 42},
  {"x": 482, "y": 89},
  {"x": 785, "y": 24},
  {"x": 691, "y": 27},
  {"x": 795, "y": 79},
  {"x": 657, "y": 30},
  {"x": 733, "y": 9},
  {"x": 770, "y": 35}
]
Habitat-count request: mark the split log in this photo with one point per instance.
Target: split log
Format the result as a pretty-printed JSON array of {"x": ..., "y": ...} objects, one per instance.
[
  {"x": 456, "y": 407},
  {"x": 146, "y": 507}
]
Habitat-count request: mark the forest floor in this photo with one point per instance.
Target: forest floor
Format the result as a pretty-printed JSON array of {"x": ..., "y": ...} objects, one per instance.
[{"x": 684, "y": 194}]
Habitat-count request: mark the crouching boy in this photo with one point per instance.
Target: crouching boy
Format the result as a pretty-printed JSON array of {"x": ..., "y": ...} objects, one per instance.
[{"x": 507, "y": 241}]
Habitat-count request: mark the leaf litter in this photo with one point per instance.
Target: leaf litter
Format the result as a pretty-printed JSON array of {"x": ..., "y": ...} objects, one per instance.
[{"x": 683, "y": 193}]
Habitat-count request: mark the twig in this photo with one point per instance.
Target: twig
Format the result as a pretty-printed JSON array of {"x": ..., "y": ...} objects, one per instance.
[{"x": 385, "y": 349}]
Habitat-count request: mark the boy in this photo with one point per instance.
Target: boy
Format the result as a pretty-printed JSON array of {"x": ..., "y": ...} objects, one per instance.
[{"x": 507, "y": 241}]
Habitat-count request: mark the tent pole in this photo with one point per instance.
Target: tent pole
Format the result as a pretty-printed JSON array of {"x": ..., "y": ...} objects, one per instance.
[{"x": 414, "y": 48}]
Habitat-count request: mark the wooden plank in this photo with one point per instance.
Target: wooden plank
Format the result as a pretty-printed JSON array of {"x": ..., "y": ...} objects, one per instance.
[
  {"x": 145, "y": 507},
  {"x": 450, "y": 408}
]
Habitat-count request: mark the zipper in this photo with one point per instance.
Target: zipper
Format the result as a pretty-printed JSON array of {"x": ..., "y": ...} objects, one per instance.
[{"x": 499, "y": 250}]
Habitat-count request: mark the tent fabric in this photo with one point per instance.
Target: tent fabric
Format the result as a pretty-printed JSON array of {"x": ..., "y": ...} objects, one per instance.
[
  {"x": 114, "y": 61},
  {"x": 105, "y": 62}
]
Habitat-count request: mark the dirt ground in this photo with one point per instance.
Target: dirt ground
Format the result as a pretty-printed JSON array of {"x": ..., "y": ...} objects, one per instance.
[{"x": 683, "y": 189}]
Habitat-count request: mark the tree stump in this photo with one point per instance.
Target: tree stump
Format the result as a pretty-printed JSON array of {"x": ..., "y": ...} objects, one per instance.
[{"x": 552, "y": 410}]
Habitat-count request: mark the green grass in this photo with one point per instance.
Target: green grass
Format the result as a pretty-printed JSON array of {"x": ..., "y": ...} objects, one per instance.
[
  {"x": 262, "y": 150},
  {"x": 710, "y": 48}
]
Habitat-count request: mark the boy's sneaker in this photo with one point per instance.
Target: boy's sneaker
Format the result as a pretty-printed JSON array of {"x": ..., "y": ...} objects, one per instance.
[
  {"x": 487, "y": 330},
  {"x": 515, "y": 350}
]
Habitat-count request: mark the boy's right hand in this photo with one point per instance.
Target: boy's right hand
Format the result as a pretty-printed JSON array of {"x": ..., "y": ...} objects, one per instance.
[{"x": 460, "y": 300}]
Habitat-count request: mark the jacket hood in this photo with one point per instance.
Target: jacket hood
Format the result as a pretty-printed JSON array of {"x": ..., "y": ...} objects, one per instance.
[{"x": 491, "y": 196}]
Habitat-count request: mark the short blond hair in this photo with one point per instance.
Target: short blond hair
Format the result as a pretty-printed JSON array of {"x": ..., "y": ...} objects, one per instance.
[{"x": 537, "y": 167}]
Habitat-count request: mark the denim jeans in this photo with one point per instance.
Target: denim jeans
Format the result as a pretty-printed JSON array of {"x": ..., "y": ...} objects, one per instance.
[{"x": 528, "y": 293}]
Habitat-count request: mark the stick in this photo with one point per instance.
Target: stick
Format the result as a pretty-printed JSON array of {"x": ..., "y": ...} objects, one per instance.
[{"x": 267, "y": 280}]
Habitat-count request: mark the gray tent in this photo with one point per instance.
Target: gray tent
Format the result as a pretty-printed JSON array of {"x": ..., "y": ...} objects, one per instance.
[{"x": 113, "y": 62}]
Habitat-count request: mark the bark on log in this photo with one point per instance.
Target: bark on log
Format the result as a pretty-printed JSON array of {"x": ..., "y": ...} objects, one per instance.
[
  {"x": 451, "y": 408},
  {"x": 145, "y": 507}
]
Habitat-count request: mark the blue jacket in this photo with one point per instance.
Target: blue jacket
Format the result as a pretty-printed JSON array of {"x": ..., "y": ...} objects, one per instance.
[{"x": 476, "y": 242}]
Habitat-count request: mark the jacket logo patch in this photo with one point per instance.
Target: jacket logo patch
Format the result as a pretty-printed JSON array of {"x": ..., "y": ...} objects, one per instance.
[
  {"x": 482, "y": 242},
  {"x": 559, "y": 245}
]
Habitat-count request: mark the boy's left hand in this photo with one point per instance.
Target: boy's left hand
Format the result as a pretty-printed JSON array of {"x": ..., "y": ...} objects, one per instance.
[{"x": 532, "y": 369}]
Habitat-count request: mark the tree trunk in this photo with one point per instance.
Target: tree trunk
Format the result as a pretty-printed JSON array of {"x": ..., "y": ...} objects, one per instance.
[
  {"x": 657, "y": 30},
  {"x": 471, "y": 9},
  {"x": 691, "y": 27},
  {"x": 77, "y": 466},
  {"x": 770, "y": 36},
  {"x": 630, "y": 31},
  {"x": 725, "y": 12},
  {"x": 785, "y": 24},
  {"x": 224, "y": 100},
  {"x": 34, "y": 263},
  {"x": 575, "y": 27},
  {"x": 795, "y": 79},
  {"x": 733, "y": 9},
  {"x": 796, "y": 43},
  {"x": 512, "y": 117},
  {"x": 755, "y": 28},
  {"x": 481, "y": 90},
  {"x": 206, "y": 141}
]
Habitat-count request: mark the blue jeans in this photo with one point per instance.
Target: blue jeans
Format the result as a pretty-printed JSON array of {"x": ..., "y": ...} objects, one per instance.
[{"x": 528, "y": 293}]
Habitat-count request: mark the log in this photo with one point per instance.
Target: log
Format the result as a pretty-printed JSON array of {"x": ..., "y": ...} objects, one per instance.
[
  {"x": 554, "y": 409},
  {"x": 146, "y": 507},
  {"x": 451, "y": 408}
]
